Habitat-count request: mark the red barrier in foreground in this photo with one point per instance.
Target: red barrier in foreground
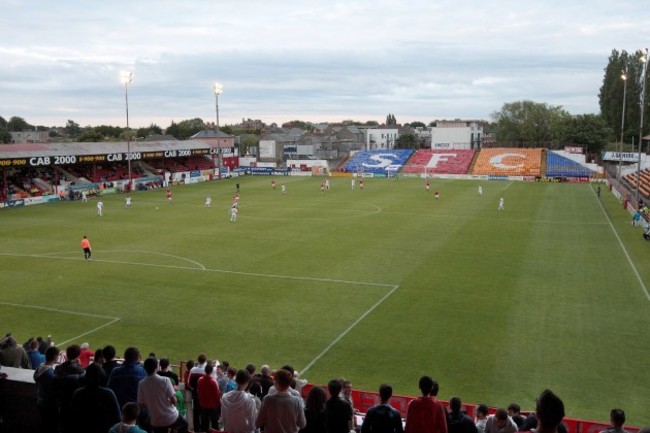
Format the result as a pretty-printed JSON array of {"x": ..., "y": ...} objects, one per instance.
[{"x": 364, "y": 400}]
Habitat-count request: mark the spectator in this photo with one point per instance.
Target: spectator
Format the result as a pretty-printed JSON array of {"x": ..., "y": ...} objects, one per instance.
[
  {"x": 222, "y": 378},
  {"x": 36, "y": 358},
  {"x": 281, "y": 412},
  {"x": 514, "y": 411},
  {"x": 86, "y": 354},
  {"x": 383, "y": 418},
  {"x": 109, "y": 360},
  {"x": 426, "y": 414},
  {"x": 13, "y": 355},
  {"x": 481, "y": 417},
  {"x": 94, "y": 407},
  {"x": 45, "y": 401},
  {"x": 156, "y": 393},
  {"x": 457, "y": 421},
  {"x": 130, "y": 413},
  {"x": 67, "y": 379},
  {"x": 315, "y": 413},
  {"x": 187, "y": 394},
  {"x": 232, "y": 384},
  {"x": 238, "y": 408},
  {"x": 195, "y": 373},
  {"x": 124, "y": 379},
  {"x": 209, "y": 399},
  {"x": 617, "y": 418},
  {"x": 500, "y": 422},
  {"x": 255, "y": 390},
  {"x": 550, "y": 411},
  {"x": 291, "y": 390},
  {"x": 339, "y": 411},
  {"x": 265, "y": 379},
  {"x": 166, "y": 371}
]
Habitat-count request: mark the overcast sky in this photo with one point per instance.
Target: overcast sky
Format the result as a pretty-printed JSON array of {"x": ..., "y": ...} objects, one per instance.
[{"x": 311, "y": 60}]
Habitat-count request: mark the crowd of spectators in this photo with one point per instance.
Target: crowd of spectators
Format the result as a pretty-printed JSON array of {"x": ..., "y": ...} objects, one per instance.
[{"x": 84, "y": 390}]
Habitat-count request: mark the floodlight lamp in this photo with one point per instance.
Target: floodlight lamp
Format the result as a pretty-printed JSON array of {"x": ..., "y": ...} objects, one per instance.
[
  {"x": 644, "y": 55},
  {"x": 623, "y": 75},
  {"x": 127, "y": 77},
  {"x": 218, "y": 88}
]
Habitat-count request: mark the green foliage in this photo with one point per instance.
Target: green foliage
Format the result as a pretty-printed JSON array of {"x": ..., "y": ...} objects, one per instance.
[
  {"x": 588, "y": 130},
  {"x": 186, "y": 128},
  {"x": 614, "y": 88},
  {"x": 18, "y": 124},
  {"x": 529, "y": 123},
  {"x": 407, "y": 141},
  {"x": 416, "y": 124},
  {"x": 5, "y": 136},
  {"x": 72, "y": 129},
  {"x": 390, "y": 120},
  {"x": 152, "y": 129},
  {"x": 90, "y": 135}
]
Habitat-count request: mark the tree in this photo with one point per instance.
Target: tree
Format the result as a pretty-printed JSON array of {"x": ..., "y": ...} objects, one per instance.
[
  {"x": 5, "y": 136},
  {"x": 17, "y": 124},
  {"x": 90, "y": 135},
  {"x": 528, "y": 123},
  {"x": 72, "y": 129},
  {"x": 590, "y": 131},
  {"x": 185, "y": 128},
  {"x": 390, "y": 120},
  {"x": 371, "y": 123},
  {"x": 416, "y": 124},
  {"x": 407, "y": 141},
  {"x": 152, "y": 129},
  {"x": 611, "y": 93}
]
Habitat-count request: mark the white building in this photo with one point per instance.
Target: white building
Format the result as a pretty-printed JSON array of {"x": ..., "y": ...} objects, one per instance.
[
  {"x": 380, "y": 137},
  {"x": 457, "y": 134}
]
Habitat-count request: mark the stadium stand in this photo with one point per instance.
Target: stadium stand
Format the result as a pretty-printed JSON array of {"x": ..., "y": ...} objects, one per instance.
[
  {"x": 437, "y": 161},
  {"x": 560, "y": 166},
  {"x": 503, "y": 161},
  {"x": 378, "y": 161},
  {"x": 644, "y": 181}
]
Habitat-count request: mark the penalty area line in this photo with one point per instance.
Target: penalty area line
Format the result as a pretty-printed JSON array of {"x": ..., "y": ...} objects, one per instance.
[
  {"x": 76, "y": 313},
  {"x": 348, "y": 329}
]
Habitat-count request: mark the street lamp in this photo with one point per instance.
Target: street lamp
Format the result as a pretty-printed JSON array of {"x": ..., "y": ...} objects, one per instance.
[
  {"x": 218, "y": 90},
  {"x": 127, "y": 77},
  {"x": 620, "y": 148},
  {"x": 644, "y": 59}
]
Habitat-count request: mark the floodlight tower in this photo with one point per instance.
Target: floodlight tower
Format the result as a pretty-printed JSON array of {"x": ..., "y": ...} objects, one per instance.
[{"x": 127, "y": 77}]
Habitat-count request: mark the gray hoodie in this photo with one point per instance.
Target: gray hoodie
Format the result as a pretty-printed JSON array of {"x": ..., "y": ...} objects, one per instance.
[{"x": 238, "y": 412}]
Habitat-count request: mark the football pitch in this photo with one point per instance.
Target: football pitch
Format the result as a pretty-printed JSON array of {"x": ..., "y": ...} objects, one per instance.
[{"x": 377, "y": 285}]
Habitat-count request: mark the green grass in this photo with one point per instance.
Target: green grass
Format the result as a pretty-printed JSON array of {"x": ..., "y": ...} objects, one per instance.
[{"x": 381, "y": 285}]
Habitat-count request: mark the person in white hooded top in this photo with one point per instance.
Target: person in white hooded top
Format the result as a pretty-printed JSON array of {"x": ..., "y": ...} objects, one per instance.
[{"x": 238, "y": 408}]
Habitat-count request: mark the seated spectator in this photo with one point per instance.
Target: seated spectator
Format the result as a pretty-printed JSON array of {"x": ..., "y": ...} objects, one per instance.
[
  {"x": 94, "y": 407},
  {"x": 617, "y": 418},
  {"x": 500, "y": 422},
  {"x": 130, "y": 413},
  {"x": 426, "y": 414},
  {"x": 36, "y": 358},
  {"x": 383, "y": 418},
  {"x": 457, "y": 421}
]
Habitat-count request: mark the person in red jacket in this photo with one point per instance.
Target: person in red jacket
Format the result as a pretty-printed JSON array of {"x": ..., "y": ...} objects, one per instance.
[
  {"x": 426, "y": 414},
  {"x": 209, "y": 399}
]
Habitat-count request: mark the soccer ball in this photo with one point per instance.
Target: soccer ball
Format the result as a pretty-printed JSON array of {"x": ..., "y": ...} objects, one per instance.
[{"x": 156, "y": 207}]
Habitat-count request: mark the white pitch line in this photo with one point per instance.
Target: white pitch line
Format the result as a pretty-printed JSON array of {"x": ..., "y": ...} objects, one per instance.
[
  {"x": 620, "y": 242},
  {"x": 349, "y": 328},
  {"x": 89, "y": 332},
  {"x": 56, "y": 310},
  {"x": 221, "y": 271},
  {"x": 77, "y": 313}
]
